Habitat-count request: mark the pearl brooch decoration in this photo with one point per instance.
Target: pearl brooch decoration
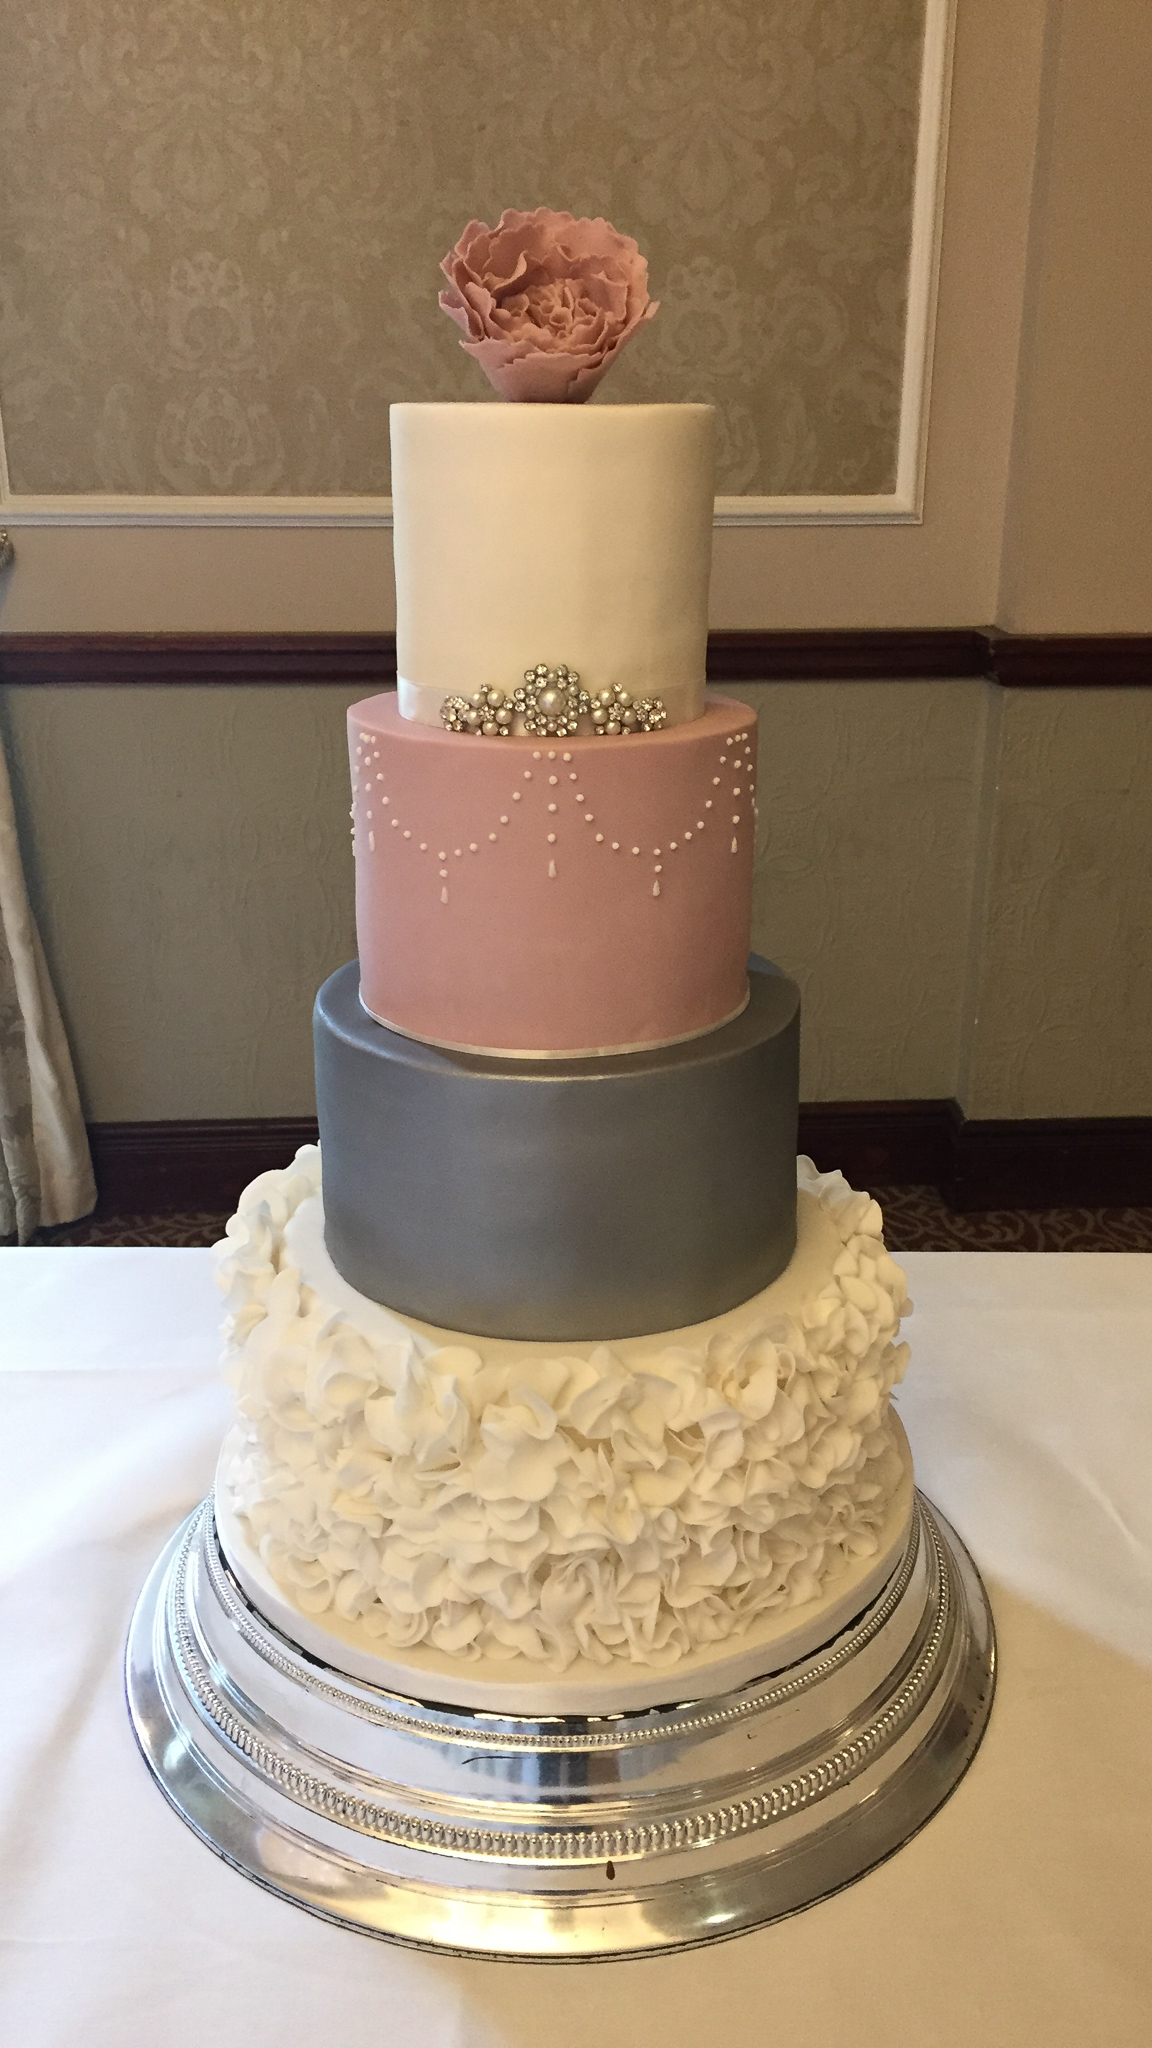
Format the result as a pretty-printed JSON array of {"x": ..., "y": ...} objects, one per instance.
[
  {"x": 485, "y": 711},
  {"x": 616, "y": 711},
  {"x": 551, "y": 703},
  {"x": 550, "y": 700}
]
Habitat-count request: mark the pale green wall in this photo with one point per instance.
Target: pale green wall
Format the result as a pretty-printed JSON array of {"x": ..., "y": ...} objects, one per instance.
[
  {"x": 864, "y": 874},
  {"x": 189, "y": 861},
  {"x": 955, "y": 875},
  {"x": 1061, "y": 1011}
]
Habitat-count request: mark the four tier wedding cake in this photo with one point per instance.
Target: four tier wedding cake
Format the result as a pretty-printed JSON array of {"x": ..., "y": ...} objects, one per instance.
[{"x": 566, "y": 1374}]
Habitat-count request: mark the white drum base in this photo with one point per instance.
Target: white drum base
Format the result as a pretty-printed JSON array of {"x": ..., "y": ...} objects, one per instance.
[{"x": 566, "y": 1838}]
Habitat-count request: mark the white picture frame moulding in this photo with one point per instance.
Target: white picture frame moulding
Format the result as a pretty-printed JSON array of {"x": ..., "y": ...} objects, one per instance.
[{"x": 900, "y": 507}]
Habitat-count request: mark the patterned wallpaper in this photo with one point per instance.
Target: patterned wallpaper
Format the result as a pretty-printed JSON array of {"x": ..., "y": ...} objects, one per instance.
[{"x": 221, "y": 224}]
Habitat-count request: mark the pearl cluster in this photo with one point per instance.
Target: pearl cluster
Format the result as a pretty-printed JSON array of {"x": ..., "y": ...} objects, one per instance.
[
  {"x": 486, "y": 711},
  {"x": 549, "y": 704},
  {"x": 550, "y": 701},
  {"x": 614, "y": 710}
]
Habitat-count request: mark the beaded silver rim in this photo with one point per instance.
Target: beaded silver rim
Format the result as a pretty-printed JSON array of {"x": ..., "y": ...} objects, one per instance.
[
  {"x": 368, "y": 1701},
  {"x": 562, "y": 1839},
  {"x": 238, "y": 1722}
]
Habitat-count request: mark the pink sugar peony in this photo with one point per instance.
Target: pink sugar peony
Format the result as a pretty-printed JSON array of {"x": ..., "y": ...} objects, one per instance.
[{"x": 546, "y": 302}]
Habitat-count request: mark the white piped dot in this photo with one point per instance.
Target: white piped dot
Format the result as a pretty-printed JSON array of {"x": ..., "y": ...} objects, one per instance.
[
  {"x": 443, "y": 873},
  {"x": 566, "y": 757},
  {"x": 551, "y": 753},
  {"x": 573, "y": 777},
  {"x": 655, "y": 888},
  {"x": 551, "y": 807},
  {"x": 443, "y": 895},
  {"x": 687, "y": 835},
  {"x": 658, "y": 870},
  {"x": 528, "y": 772},
  {"x": 458, "y": 851},
  {"x": 395, "y": 823},
  {"x": 707, "y": 803},
  {"x": 423, "y": 846},
  {"x": 407, "y": 835},
  {"x": 615, "y": 846},
  {"x": 472, "y": 847},
  {"x": 671, "y": 846},
  {"x": 503, "y": 821},
  {"x": 735, "y": 848},
  {"x": 516, "y": 794},
  {"x": 635, "y": 849},
  {"x": 589, "y": 817},
  {"x": 735, "y": 817},
  {"x": 715, "y": 782},
  {"x": 551, "y": 839},
  {"x": 599, "y": 839},
  {"x": 371, "y": 842},
  {"x": 551, "y": 871},
  {"x": 537, "y": 755},
  {"x": 441, "y": 855},
  {"x": 552, "y": 778},
  {"x": 492, "y": 837}
]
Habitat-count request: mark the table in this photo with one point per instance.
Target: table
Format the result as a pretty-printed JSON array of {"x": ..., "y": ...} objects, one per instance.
[{"x": 1018, "y": 1916}]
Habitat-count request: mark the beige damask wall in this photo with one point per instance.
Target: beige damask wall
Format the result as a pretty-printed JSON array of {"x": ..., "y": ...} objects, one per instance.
[
  {"x": 221, "y": 225},
  {"x": 1078, "y": 535},
  {"x": 71, "y": 577}
]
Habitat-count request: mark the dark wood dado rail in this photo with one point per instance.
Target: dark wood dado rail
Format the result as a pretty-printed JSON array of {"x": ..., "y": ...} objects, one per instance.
[
  {"x": 1079, "y": 1162},
  {"x": 368, "y": 660}
]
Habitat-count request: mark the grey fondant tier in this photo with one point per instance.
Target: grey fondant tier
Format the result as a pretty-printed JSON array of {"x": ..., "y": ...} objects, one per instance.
[{"x": 560, "y": 1199}]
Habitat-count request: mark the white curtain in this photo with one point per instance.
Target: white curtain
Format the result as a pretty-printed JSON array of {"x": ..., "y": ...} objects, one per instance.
[{"x": 45, "y": 1165}]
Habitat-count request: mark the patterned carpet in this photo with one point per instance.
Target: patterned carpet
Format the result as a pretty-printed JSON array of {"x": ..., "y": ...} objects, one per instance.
[{"x": 916, "y": 1219}]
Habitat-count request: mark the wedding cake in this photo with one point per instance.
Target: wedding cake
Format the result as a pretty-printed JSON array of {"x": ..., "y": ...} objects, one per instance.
[{"x": 566, "y": 1385}]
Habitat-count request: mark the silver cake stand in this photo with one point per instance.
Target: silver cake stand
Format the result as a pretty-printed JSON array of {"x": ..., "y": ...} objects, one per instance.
[{"x": 567, "y": 1839}]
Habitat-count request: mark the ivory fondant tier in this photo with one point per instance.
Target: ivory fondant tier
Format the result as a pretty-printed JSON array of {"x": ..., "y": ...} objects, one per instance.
[
  {"x": 555, "y": 533},
  {"x": 534, "y": 899},
  {"x": 561, "y": 1198},
  {"x": 486, "y": 1522}
]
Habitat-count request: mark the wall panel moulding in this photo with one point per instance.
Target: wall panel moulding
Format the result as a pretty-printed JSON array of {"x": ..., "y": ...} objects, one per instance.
[
  {"x": 822, "y": 390},
  {"x": 1017, "y": 661},
  {"x": 152, "y": 1168}
]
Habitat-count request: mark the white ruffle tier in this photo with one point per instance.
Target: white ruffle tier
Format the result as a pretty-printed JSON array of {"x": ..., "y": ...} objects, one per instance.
[{"x": 440, "y": 1508}]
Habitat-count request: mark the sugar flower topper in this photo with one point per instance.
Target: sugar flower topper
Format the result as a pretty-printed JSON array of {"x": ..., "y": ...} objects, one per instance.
[{"x": 546, "y": 302}]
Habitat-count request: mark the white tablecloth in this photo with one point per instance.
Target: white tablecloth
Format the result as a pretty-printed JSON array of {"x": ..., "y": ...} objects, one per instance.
[{"x": 1020, "y": 1915}]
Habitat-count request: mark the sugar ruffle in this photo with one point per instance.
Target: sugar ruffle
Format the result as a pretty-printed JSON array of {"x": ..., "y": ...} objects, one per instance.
[{"x": 563, "y": 1506}]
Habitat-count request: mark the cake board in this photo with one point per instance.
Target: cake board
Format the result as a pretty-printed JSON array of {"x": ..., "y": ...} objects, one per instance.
[{"x": 564, "y": 1837}]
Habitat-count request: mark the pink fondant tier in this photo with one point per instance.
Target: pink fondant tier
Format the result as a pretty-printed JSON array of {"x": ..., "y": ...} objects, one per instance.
[{"x": 527, "y": 898}]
